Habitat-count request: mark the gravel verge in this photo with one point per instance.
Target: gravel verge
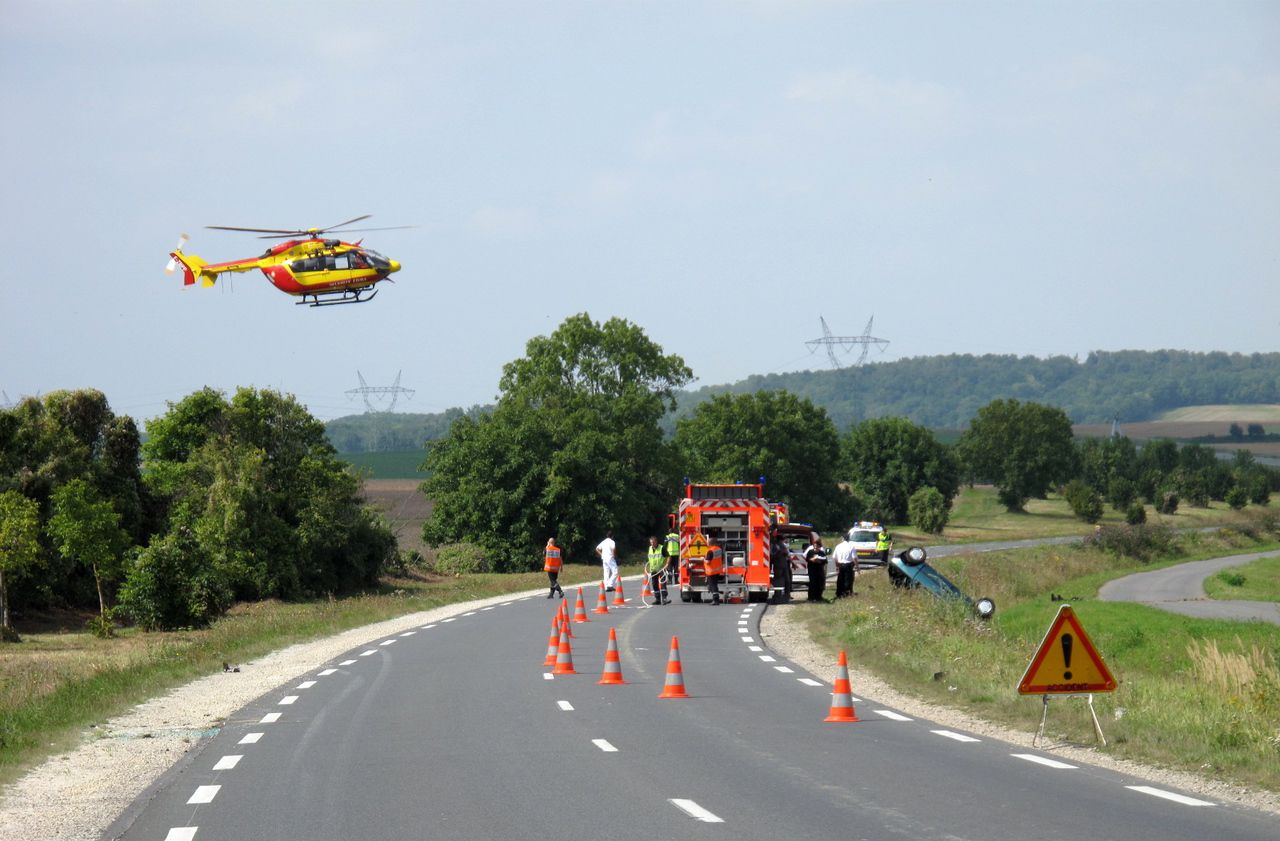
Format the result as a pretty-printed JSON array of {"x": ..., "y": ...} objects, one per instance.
[{"x": 792, "y": 640}]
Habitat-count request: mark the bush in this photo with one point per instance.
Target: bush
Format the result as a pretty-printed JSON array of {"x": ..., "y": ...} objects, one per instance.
[
  {"x": 1237, "y": 498},
  {"x": 1084, "y": 500},
  {"x": 1121, "y": 493},
  {"x": 460, "y": 559},
  {"x": 927, "y": 510},
  {"x": 172, "y": 584},
  {"x": 1141, "y": 542},
  {"x": 1166, "y": 502},
  {"x": 1136, "y": 514}
]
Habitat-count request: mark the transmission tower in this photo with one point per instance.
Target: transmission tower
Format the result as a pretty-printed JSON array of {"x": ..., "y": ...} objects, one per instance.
[
  {"x": 366, "y": 391},
  {"x": 846, "y": 343}
]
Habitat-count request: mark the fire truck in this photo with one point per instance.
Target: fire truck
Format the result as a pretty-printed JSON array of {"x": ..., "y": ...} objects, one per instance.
[{"x": 737, "y": 517}]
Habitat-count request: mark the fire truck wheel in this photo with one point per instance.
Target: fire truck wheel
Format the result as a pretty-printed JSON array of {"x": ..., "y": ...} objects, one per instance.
[
  {"x": 695, "y": 597},
  {"x": 756, "y": 597},
  {"x": 686, "y": 597}
]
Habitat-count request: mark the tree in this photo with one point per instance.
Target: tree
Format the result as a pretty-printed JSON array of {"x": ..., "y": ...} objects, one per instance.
[
  {"x": 1085, "y": 502},
  {"x": 1256, "y": 430},
  {"x": 1235, "y": 432},
  {"x": 1022, "y": 448},
  {"x": 86, "y": 530},
  {"x": 572, "y": 447},
  {"x": 774, "y": 434},
  {"x": 19, "y": 547},
  {"x": 889, "y": 459},
  {"x": 1237, "y": 498},
  {"x": 928, "y": 510}
]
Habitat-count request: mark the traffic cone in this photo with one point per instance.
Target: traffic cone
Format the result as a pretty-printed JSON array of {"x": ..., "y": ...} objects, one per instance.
[
  {"x": 601, "y": 607},
  {"x": 619, "y": 599},
  {"x": 674, "y": 685},
  {"x": 564, "y": 657},
  {"x": 564, "y": 619},
  {"x": 553, "y": 642},
  {"x": 646, "y": 593},
  {"x": 842, "y": 695},
  {"x": 580, "y": 609},
  {"x": 612, "y": 665}
]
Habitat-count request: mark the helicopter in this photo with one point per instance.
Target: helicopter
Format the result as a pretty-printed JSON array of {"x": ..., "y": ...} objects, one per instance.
[{"x": 322, "y": 272}]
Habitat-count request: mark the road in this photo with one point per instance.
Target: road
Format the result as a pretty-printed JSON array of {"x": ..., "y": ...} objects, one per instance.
[
  {"x": 455, "y": 730},
  {"x": 1180, "y": 589}
]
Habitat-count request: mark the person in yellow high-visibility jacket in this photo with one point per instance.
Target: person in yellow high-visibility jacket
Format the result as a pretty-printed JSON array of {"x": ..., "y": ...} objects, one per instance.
[{"x": 551, "y": 565}]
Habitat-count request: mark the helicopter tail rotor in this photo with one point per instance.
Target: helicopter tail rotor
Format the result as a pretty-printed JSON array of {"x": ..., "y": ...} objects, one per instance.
[
  {"x": 172, "y": 265},
  {"x": 193, "y": 267}
]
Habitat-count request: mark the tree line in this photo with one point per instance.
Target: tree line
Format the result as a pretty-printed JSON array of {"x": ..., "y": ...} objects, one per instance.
[
  {"x": 228, "y": 499},
  {"x": 575, "y": 447}
]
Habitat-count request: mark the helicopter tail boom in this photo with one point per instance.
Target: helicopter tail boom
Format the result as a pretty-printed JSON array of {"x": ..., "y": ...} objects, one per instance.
[{"x": 193, "y": 268}]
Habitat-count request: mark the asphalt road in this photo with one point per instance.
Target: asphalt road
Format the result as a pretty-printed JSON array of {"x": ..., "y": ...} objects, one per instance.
[
  {"x": 456, "y": 731},
  {"x": 1180, "y": 589}
]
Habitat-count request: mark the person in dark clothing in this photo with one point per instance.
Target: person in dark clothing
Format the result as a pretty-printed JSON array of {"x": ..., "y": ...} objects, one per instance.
[
  {"x": 780, "y": 561},
  {"x": 816, "y": 557}
]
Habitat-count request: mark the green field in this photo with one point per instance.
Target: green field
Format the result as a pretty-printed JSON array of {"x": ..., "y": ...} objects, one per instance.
[
  {"x": 393, "y": 465},
  {"x": 1258, "y": 581},
  {"x": 1228, "y": 413}
]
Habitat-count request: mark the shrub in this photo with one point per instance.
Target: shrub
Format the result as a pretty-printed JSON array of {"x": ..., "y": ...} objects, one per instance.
[
  {"x": 1237, "y": 498},
  {"x": 927, "y": 510},
  {"x": 1121, "y": 493},
  {"x": 172, "y": 584},
  {"x": 1166, "y": 502},
  {"x": 1141, "y": 542},
  {"x": 460, "y": 559},
  {"x": 1136, "y": 514},
  {"x": 1232, "y": 579},
  {"x": 1084, "y": 500}
]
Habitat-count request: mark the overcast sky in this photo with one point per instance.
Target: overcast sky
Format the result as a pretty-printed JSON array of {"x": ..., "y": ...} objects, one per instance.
[{"x": 1027, "y": 178}]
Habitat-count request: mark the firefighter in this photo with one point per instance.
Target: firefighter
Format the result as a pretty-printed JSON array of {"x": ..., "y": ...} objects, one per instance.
[
  {"x": 780, "y": 561},
  {"x": 882, "y": 547},
  {"x": 816, "y": 557},
  {"x": 671, "y": 551},
  {"x": 551, "y": 566},
  {"x": 657, "y": 563},
  {"x": 713, "y": 566}
]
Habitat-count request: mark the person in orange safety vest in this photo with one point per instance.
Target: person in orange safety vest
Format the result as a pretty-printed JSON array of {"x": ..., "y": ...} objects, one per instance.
[
  {"x": 551, "y": 566},
  {"x": 713, "y": 566}
]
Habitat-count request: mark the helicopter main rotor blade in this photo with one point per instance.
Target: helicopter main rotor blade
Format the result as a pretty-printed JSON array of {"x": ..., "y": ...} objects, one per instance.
[
  {"x": 392, "y": 228},
  {"x": 253, "y": 230},
  {"x": 348, "y": 222}
]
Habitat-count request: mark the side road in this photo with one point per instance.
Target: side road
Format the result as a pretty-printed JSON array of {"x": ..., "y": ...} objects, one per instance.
[{"x": 1180, "y": 589}]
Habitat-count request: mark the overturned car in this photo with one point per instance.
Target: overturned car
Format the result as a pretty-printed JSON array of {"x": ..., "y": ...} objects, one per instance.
[{"x": 910, "y": 569}]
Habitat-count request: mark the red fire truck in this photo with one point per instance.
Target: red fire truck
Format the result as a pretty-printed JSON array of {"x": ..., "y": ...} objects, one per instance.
[{"x": 737, "y": 518}]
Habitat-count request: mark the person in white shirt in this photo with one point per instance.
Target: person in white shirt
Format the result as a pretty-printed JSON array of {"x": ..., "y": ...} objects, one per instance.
[
  {"x": 846, "y": 567},
  {"x": 607, "y": 550}
]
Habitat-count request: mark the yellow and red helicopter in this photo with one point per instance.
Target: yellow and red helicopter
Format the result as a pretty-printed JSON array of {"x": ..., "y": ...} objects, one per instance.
[{"x": 322, "y": 272}]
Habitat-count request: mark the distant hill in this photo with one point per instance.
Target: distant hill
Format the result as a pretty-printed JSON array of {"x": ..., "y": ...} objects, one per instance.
[{"x": 941, "y": 392}]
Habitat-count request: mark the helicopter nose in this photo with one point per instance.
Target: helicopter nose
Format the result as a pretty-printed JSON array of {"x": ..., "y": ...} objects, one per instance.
[{"x": 395, "y": 265}]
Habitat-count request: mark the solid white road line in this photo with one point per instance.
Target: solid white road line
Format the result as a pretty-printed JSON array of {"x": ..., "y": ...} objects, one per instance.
[
  {"x": 1169, "y": 795},
  {"x": 250, "y": 739},
  {"x": 785, "y": 670},
  {"x": 204, "y": 794},
  {"x": 565, "y": 705},
  {"x": 387, "y": 642},
  {"x": 306, "y": 684},
  {"x": 808, "y": 681},
  {"x": 895, "y": 716},
  {"x": 288, "y": 699},
  {"x": 604, "y": 745},
  {"x": 768, "y": 658},
  {"x": 959, "y": 737},
  {"x": 226, "y": 763},
  {"x": 270, "y": 718},
  {"x": 327, "y": 672},
  {"x": 754, "y": 648},
  {"x": 367, "y": 653},
  {"x": 1041, "y": 760},
  {"x": 181, "y": 833},
  {"x": 346, "y": 662},
  {"x": 693, "y": 810}
]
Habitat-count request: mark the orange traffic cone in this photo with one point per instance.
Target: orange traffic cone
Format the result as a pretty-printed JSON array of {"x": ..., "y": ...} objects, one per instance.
[
  {"x": 612, "y": 665},
  {"x": 674, "y": 686},
  {"x": 564, "y": 619},
  {"x": 646, "y": 593},
  {"x": 601, "y": 607},
  {"x": 564, "y": 657},
  {"x": 580, "y": 609},
  {"x": 553, "y": 642},
  {"x": 842, "y": 695},
  {"x": 619, "y": 599}
]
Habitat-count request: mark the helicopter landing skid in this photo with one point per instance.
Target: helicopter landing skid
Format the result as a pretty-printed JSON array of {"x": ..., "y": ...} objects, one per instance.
[{"x": 330, "y": 299}]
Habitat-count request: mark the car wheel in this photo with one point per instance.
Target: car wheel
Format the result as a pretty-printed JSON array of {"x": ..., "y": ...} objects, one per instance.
[{"x": 913, "y": 556}]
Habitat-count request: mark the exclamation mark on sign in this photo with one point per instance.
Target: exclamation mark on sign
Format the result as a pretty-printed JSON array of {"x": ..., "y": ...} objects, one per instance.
[{"x": 1066, "y": 655}]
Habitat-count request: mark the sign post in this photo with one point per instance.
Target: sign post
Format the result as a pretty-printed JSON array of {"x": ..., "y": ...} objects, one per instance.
[{"x": 1066, "y": 663}]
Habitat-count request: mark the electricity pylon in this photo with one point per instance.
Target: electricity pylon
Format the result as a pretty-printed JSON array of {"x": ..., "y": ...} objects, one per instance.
[
  {"x": 846, "y": 343},
  {"x": 365, "y": 390}
]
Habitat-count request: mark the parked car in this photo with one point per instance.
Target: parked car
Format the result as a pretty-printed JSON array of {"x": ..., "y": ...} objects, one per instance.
[{"x": 910, "y": 569}]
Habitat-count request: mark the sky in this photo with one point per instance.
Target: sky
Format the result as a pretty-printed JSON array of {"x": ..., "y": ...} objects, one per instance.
[{"x": 1031, "y": 178}]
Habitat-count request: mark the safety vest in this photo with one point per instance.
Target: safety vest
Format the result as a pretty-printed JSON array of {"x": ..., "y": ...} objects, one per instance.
[
  {"x": 882, "y": 542},
  {"x": 656, "y": 561},
  {"x": 552, "y": 562},
  {"x": 714, "y": 563},
  {"x": 673, "y": 545}
]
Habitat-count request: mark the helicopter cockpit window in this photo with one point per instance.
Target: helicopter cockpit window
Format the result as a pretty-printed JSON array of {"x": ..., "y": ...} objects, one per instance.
[
  {"x": 357, "y": 260},
  {"x": 310, "y": 264},
  {"x": 377, "y": 260}
]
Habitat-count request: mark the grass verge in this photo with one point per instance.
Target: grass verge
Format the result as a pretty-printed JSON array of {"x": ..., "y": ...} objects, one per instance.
[
  {"x": 1196, "y": 695},
  {"x": 53, "y": 685},
  {"x": 1258, "y": 581}
]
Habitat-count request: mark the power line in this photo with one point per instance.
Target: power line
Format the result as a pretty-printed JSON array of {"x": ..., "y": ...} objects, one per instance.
[
  {"x": 846, "y": 343},
  {"x": 366, "y": 391}
]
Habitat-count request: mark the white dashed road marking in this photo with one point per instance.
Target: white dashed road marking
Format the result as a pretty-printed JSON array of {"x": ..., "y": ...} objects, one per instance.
[
  {"x": 270, "y": 718},
  {"x": 1169, "y": 795},
  {"x": 950, "y": 734},
  {"x": 565, "y": 705},
  {"x": 428, "y": 627},
  {"x": 204, "y": 794},
  {"x": 896, "y": 716},
  {"x": 785, "y": 670},
  {"x": 548, "y": 676},
  {"x": 504, "y": 604},
  {"x": 387, "y": 642},
  {"x": 1041, "y": 760},
  {"x": 327, "y": 672},
  {"x": 367, "y": 653},
  {"x": 408, "y": 633},
  {"x": 604, "y": 745},
  {"x": 306, "y": 684},
  {"x": 808, "y": 681},
  {"x": 226, "y": 763},
  {"x": 472, "y": 613},
  {"x": 250, "y": 739},
  {"x": 346, "y": 662},
  {"x": 288, "y": 699},
  {"x": 693, "y": 810},
  {"x": 483, "y": 609},
  {"x": 181, "y": 833},
  {"x": 452, "y": 619},
  {"x": 754, "y": 648},
  {"x": 768, "y": 658},
  {"x": 747, "y": 639}
]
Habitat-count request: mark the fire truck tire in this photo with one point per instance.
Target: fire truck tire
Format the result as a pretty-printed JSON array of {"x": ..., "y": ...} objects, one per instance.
[
  {"x": 686, "y": 597},
  {"x": 695, "y": 597},
  {"x": 757, "y": 597}
]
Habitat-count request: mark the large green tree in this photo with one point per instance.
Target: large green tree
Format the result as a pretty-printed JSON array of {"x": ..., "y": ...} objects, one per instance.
[
  {"x": 86, "y": 530},
  {"x": 774, "y": 434},
  {"x": 19, "y": 546},
  {"x": 1024, "y": 449},
  {"x": 888, "y": 459},
  {"x": 572, "y": 448}
]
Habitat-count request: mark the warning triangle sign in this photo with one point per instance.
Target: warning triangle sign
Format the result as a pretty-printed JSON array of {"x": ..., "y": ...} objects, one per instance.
[{"x": 1066, "y": 662}]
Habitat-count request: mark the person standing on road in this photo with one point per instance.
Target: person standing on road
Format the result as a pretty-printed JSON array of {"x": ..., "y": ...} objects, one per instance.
[
  {"x": 657, "y": 563},
  {"x": 780, "y": 561},
  {"x": 551, "y": 566},
  {"x": 713, "y": 567},
  {"x": 816, "y": 557},
  {"x": 608, "y": 552},
  {"x": 671, "y": 551},
  {"x": 845, "y": 555}
]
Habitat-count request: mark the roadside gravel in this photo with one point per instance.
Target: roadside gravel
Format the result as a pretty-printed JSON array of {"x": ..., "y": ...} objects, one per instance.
[{"x": 792, "y": 640}]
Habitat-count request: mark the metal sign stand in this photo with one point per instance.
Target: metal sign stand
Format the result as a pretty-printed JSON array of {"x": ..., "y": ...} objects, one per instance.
[{"x": 1097, "y": 726}]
